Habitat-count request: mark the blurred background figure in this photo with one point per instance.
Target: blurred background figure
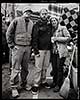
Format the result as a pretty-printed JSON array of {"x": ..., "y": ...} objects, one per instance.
[{"x": 5, "y": 49}]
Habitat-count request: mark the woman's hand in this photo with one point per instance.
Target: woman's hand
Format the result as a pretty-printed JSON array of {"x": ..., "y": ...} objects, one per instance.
[{"x": 53, "y": 39}]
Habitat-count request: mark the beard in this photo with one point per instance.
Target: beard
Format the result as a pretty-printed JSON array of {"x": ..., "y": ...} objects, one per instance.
[{"x": 44, "y": 18}]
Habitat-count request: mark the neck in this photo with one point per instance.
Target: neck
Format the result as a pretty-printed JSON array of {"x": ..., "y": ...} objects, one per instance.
[
  {"x": 45, "y": 20},
  {"x": 56, "y": 27}
]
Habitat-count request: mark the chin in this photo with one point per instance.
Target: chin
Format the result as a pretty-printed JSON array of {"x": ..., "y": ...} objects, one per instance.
[
  {"x": 26, "y": 17},
  {"x": 44, "y": 19}
]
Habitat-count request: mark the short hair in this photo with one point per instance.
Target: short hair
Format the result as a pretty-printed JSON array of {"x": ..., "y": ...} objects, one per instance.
[
  {"x": 43, "y": 9},
  {"x": 27, "y": 10}
]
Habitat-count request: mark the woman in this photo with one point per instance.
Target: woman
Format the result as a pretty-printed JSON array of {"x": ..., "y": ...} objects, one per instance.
[
  {"x": 54, "y": 59},
  {"x": 59, "y": 39}
]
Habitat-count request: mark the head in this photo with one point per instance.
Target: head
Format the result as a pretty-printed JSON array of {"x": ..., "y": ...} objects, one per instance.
[
  {"x": 27, "y": 13},
  {"x": 54, "y": 21},
  {"x": 44, "y": 13}
]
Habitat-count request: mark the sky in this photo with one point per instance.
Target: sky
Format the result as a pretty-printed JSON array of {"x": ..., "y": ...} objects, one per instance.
[{"x": 38, "y": 6}]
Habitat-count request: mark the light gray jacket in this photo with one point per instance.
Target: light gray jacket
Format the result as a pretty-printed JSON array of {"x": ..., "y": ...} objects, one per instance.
[{"x": 18, "y": 33}]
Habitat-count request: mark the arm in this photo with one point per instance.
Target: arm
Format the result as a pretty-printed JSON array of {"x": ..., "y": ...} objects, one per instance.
[
  {"x": 65, "y": 36},
  {"x": 63, "y": 39},
  {"x": 10, "y": 34},
  {"x": 35, "y": 39}
]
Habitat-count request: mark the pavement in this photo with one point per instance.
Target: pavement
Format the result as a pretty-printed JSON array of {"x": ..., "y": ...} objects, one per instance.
[{"x": 43, "y": 92}]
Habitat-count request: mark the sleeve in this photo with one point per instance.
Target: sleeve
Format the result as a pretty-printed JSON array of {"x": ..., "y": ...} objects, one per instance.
[
  {"x": 10, "y": 34},
  {"x": 35, "y": 38},
  {"x": 66, "y": 33}
]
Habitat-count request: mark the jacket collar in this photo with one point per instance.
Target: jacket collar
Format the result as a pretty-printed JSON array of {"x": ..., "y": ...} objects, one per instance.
[{"x": 41, "y": 22}]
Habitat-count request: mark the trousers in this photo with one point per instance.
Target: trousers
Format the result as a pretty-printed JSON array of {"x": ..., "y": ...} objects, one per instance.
[
  {"x": 41, "y": 65},
  {"x": 20, "y": 59}
]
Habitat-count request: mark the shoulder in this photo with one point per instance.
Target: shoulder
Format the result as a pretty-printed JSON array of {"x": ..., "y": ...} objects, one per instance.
[
  {"x": 18, "y": 18},
  {"x": 62, "y": 28},
  {"x": 37, "y": 23},
  {"x": 14, "y": 20},
  {"x": 30, "y": 21}
]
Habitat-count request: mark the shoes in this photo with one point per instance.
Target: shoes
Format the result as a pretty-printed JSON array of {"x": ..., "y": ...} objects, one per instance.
[
  {"x": 52, "y": 85},
  {"x": 46, "y": 85},
  {"x": 15, "y": 93},
  {"x": 35, "y": 90},
  {"x": 56, "y": 89},
  {"x": 26, "y": 87}
]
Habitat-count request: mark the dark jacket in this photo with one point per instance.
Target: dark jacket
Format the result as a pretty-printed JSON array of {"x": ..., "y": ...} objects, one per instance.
[
  {"x": 41, "y": 36},
  {"x": 19, "y": 32}
]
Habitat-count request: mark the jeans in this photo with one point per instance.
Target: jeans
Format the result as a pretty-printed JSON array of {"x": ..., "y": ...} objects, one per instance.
[
  {"x": 60, "y": 72},
  {"x": 55, "y": 66}
]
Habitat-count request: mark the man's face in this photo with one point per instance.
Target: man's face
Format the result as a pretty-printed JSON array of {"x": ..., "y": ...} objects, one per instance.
[
  {"x": 26, "y": 14},
  {"x": 44, "y": 14},
  {"x": 54, "y": 22}
]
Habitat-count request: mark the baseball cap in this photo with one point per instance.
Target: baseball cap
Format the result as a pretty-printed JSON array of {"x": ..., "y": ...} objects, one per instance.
[{"x": 27, "y": 10}]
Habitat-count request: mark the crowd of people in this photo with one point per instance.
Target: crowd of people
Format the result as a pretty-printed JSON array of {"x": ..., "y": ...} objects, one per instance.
[{"x": 48, "y": 40}]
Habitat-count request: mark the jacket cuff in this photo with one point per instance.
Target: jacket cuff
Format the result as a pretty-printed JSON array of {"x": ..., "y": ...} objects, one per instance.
[
  {"x": 11, "y": 45},
  {"x": 36, "y": 52}
]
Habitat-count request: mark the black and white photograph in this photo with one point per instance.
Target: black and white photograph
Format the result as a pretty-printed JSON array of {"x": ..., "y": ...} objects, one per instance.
[{"x": 40, "y": 50}]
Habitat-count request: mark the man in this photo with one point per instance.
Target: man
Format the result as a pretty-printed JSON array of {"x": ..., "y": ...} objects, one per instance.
[
  {"x": 41, "y": 43},
  {"x": 19, "y": 40},
  {"x": 61, "y": 38}
]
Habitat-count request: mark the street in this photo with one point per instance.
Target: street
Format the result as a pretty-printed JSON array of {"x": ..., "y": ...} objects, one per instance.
[
  {"x": 43, "y": 92},
  {"x": 64, "y": 34}
]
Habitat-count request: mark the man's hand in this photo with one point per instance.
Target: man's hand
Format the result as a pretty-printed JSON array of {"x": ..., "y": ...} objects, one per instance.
[
  {"x": 38, "y": 55},
  {"x": 11, "y": 47}
]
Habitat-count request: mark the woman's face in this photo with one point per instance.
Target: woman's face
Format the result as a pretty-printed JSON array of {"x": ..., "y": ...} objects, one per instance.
[{"x": 54, "y": 22}]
